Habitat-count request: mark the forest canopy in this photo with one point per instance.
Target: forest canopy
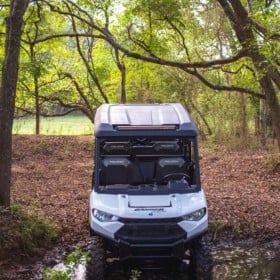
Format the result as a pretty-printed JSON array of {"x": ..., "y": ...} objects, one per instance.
[{"x": 219, "y": 58}]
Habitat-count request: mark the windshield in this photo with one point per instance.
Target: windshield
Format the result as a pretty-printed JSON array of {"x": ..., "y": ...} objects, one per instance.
[{"x": 146, "y": 164}]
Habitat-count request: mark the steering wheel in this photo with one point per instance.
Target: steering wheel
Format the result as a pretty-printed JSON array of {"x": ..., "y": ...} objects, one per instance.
[{"x": 175, "y": 176}]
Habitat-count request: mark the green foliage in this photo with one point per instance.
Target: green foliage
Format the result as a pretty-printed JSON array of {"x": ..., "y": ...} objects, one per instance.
[
  {"x": 72, "y": 262},
  {"x": 237, "y": 229},
  {"x": 216, "y": 227},
  {"x": 135, "y": 274},
  {"x": 25, "y": 231},
  {"x": 76, "y": 258},
  {"x": 35, "y": 232},
  {"x": 55, "y": 274},
  {"x": 252, "y": 228},
  {"x": 66, "y": 68}
]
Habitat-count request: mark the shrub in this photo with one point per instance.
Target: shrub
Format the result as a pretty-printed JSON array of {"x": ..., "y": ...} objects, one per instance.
[{"x": 22, "y": 232}]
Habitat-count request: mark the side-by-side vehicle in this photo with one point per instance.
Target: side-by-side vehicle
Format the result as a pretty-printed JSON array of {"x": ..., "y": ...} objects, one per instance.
[{"x": 147, "y": 207}]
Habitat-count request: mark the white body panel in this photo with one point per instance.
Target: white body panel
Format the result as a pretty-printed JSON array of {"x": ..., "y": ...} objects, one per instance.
[{"x": 148, "y": 207}]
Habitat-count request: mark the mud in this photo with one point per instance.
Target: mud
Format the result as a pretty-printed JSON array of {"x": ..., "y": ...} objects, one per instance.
[{"x": 242, "y": 260}]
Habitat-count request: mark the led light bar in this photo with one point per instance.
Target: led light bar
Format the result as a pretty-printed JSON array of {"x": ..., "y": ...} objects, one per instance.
[
  {"x": 116, "y": 146},
  {"x": 146, "y": 127}
]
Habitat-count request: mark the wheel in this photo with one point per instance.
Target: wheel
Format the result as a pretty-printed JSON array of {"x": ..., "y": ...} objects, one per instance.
[
  {"x": 201, "y": 262},
  {"x": 175, "y": 176},
  {"x": 96, "y": 266}
]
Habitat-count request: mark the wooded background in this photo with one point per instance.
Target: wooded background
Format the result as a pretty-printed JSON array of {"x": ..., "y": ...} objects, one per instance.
[{"x": 219, "y": 58}]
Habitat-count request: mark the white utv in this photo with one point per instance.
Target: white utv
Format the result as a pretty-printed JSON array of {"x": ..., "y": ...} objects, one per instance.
[{"x": 147, "y": 207}]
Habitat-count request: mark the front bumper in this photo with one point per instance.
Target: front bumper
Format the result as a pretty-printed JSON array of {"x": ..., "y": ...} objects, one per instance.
[{"x": 153, "y": 242}]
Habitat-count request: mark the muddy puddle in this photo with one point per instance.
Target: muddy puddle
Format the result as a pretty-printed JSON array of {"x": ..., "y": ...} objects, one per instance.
[
  {"x": 242, "y": 261},
  {"x": 246, "y": 262}
]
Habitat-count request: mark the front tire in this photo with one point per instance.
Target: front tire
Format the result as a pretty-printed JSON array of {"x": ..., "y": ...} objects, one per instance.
[
  {"x": 96, "y": 265},
  {"x": 201, "y": 262}
]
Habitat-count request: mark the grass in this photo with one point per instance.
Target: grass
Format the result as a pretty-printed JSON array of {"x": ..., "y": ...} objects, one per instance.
[
  {"x": 24, "y": 232},
  {"x": 66, "y": 125}
]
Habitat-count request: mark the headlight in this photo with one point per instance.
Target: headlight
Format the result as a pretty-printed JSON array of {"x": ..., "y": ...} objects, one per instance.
[
  {"x": 103, "y": 216},
  {"x": 196, "y": 215}
]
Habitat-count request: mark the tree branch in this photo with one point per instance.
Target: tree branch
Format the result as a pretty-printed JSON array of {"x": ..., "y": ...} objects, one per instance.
[
  {"x": 222, "y": 87},
  {"x": 177, "y": 30},
  {"x": 140, "y": 43},
  {"x": 106, "y": 35},
  {"x": 187, "y": 67},
  {"x": 90, "y": 71},
  {"x": 81, "y": 93},
  {"x": 182, "y": 65},
  {"x": 55, "y": 36},
  {"x": 29, "y": 112}
]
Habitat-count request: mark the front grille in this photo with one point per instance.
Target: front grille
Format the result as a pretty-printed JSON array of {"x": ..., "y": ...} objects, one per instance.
[
  {"x": 150, "y": 252},
  {"x": 150, "y": 232}
]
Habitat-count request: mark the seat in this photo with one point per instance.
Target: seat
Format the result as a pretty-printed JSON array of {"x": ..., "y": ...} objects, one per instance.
[
  {"x": 115, "y": 170},
  {"x": 169, "y": 165},
  {"x": 142, "y": 171}
]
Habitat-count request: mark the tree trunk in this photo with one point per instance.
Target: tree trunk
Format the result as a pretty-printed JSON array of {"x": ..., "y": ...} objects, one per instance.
[
  {"x": 262, "y": 122},
  {"x": 243, "y": 113},
  {"x": 36, "y": 89},
  {"x": 14, "y": 24},
  {"x": 267, "y": 73},
  {"x": 122, "y": 69},
  {"x": 209, "y": 130},
  {"x": 273, "y": 104},
  {"x": 123, "y": 88}
]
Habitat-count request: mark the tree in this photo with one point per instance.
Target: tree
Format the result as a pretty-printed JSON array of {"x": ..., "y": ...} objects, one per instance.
[
  {"x": 245, "y": 29},
  {"x": 112, "y": 51},
  {"x": 10, "y": 67},
  {"x": 251, "y": 36},
  {"x": 35, "y": 65},
  {"x": 196, "y": 39},
  {"x": 81, "y": 65}
]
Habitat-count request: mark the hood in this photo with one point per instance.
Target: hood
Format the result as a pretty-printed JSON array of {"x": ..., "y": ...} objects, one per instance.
[{"x": 148, "y": 206}]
